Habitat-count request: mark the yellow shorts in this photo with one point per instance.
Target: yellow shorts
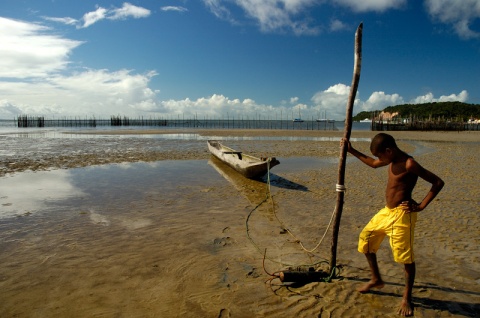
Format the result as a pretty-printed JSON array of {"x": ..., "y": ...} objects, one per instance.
[{"x": 395, "y": 223}]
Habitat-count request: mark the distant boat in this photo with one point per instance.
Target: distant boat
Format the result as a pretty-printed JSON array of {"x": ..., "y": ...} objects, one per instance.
[
  {"x": 366, "y": 120},
  {"x": 324, "y": 120},
  {"x": 299, "y": 119},
  {"x": 249, "y": 166}
]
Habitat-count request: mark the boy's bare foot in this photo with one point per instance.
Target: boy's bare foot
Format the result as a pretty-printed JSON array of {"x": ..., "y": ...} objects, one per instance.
[
  {"x": 371, "y": 284},
  {"x": 406, "y": 309}
]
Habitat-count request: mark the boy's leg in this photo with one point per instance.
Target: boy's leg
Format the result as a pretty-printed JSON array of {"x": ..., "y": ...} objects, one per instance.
[
  {"x": 376, "y": 280},
  {"x": 406, "y": 307}
]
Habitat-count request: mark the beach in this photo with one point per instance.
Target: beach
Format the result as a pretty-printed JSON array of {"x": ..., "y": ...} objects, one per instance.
[{"x": 122, "y": 224}]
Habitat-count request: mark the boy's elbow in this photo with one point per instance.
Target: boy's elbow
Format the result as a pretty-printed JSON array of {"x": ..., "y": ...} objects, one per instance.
[
  {"x": 439, "y": 184},
  {"x": 377, "y": 164}
]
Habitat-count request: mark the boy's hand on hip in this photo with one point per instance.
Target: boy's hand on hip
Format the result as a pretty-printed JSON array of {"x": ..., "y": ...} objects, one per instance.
[{"x": 411, "y": 206}]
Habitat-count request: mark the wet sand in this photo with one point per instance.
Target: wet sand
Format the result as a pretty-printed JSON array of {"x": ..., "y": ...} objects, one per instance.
[{"x": 126, "y": 247}]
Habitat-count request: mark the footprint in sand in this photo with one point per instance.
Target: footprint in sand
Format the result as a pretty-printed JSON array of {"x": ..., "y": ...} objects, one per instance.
[
  {"x": 224, "y": 313},
  {"x": 223, "y": 241}
]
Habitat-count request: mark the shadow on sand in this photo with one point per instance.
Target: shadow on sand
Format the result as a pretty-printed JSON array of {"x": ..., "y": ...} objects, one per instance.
[
  {"x": 250, "y": 187},
  {"x": 454, "y": 307}
]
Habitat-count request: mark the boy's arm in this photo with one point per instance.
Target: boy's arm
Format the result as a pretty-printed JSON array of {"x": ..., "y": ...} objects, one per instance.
[
  {"x": 437, "y": 183},
  {"x": 369, "y": 161}
]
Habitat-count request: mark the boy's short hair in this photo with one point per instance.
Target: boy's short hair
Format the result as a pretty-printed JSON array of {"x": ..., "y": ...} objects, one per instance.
[{"x": 381, "y": 142}]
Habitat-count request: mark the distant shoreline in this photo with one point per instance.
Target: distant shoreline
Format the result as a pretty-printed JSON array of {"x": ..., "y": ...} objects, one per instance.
[{"x": 34, "y": 150}]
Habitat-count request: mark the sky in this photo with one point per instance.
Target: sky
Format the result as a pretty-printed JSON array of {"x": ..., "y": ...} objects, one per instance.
[{"x": 219, "y": 59}]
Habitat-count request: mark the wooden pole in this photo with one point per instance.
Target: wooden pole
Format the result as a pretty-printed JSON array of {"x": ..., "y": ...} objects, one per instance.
[{"x": 343, "y": 151}]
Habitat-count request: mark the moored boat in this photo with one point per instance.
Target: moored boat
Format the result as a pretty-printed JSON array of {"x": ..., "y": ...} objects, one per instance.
[{"x": 249, "y": 166}]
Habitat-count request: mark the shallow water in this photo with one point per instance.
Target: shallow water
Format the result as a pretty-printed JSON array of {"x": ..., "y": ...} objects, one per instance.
[{"x": 83, "y": 189}]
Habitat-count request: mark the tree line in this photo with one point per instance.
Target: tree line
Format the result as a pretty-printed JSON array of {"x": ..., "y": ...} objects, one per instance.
[{"x": 457, "y": 111}]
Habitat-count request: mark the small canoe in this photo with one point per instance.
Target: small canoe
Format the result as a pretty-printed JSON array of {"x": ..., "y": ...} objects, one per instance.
[{"x": 249, "y": 166}]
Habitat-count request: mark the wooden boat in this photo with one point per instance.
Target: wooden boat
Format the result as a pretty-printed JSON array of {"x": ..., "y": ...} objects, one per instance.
[{"x": 249, "y": 166}]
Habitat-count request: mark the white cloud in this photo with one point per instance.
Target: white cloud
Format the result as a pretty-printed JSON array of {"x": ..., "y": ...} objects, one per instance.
[
  {"x": 271, "y": 15},
  {"x": 371, "y": 5},
  {"x": 174, "y": 8},
  {"x": 332, "y": 100},
  {"x": 380, "y": 100},
  {"x": 337, "y": 25},
  {"x": 429, "y": 98},
  {"x": 93, "y": 17},
  {"x": 293, "y": 15},
  {"x": 97, "y": 93},
  {"x": 27, "y": 51},
  {"x": 460, "y": 14},
  {"x": 216, "y": 106},
  {"x": 66, "y": 20},
  {"x": 128, "y": 10},
  {"x": 219, "y": 10}
]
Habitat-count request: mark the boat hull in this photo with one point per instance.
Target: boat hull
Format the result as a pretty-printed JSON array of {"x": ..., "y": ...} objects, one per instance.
[{"x": 249, "y": 166}]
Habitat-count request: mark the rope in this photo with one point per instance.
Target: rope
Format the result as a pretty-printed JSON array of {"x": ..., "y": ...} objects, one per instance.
[
  {"x": 267, "y": 196},
  {"x": 340, "y": 188}
]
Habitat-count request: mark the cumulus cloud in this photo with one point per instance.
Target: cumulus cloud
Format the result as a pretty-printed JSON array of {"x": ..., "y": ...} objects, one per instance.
[
  {"x": 332, "y": 100},
  {"x": 28, "y": 51},
  {"x": 35, "y": 79},
  {"x": 371, "y": 5},
  {"x": 380, "y": 100},
  {"x": 429, "y": 98},
  {"x": 294, "y": 100},
  {"x": 88, "y": 93},
  {"x": 459, "y": 14},
  {"x": 217, "y": 106}
]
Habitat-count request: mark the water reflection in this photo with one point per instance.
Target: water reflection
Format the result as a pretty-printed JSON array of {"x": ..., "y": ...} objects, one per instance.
[
  {"x": 108, "y": 190},
  {"x": 101, "y": 190},
  {"x": 28, "y": 192}
]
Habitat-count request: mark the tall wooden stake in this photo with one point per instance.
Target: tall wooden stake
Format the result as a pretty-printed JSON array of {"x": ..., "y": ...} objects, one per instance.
[{"x": 343, "y": 150}]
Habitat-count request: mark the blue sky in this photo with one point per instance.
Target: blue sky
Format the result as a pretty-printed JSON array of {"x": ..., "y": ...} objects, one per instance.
[{"x": 237, "y": 58}]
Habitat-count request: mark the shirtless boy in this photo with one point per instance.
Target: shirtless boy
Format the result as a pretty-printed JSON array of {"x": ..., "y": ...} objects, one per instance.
[{"x": 397, "y": 219}]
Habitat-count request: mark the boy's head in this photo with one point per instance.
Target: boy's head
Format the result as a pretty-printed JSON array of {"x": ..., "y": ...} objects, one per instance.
[{"x": 381, "y": 142}]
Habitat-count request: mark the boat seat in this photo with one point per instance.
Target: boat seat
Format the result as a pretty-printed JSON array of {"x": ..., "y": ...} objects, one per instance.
[{"x": 239, "y": 153}]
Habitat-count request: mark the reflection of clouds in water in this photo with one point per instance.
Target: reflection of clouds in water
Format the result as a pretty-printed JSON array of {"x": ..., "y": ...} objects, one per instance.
[
  {"x": 136, "y": 224},
  {"x": 28, "y": 192},
  {"x": 98, "y": 218},
  {"x": 128, "y": 165},
  {"x": 129, "y": 223}
]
